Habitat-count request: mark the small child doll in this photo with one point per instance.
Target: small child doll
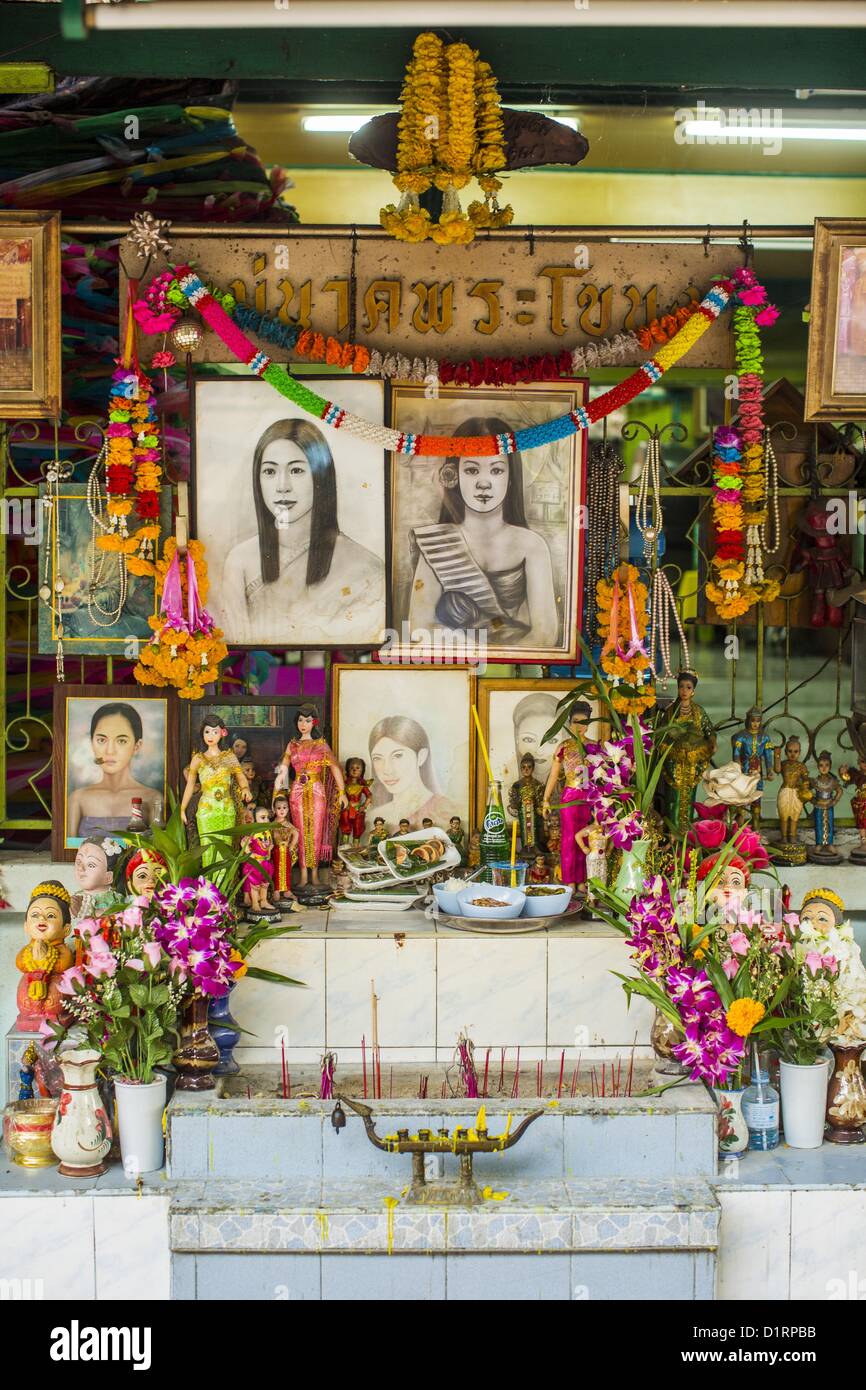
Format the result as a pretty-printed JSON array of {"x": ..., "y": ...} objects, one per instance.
[
  {"x": 404, "y": 827},
  {"x": 143, "y": 872},
  {"x": 257, "y": 875},
  {"x": 457, "y": 836},
  {"x": 45, "y": 957},
  {"x": 538, "y": 872},
  {"x": 377, "y": 835},
  {"x": 358, "y": 796},
  {"x": 284, "y": 854},
  {"x": 473, "y": 854},
  {"x": 592, "y": 841}
]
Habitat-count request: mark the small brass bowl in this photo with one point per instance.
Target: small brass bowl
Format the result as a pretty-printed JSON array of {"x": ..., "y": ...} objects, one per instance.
[{"x": 27, "y": 1126}]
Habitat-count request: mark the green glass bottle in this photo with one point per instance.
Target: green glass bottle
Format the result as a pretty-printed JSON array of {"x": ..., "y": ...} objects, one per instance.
[{"x": 494, "y": 832}]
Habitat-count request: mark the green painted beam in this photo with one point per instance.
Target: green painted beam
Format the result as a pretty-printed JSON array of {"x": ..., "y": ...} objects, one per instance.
[{"x": 691, "y": 59}]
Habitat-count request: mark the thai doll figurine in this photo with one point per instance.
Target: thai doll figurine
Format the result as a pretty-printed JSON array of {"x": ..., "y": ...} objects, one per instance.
[
  {"x": 353, "y": 817},
  {"x": 538, "y": 873},
  {"x": 284, "y": 854},
  {"x": 216, "y": 771},
  {"x": 755, "y": 752},
  {"x": 796, "y": 789},
  {"x": 143, "y": 872},
  {"x": 592, "y": 842},
  {"x": 827, "y": 792},
  {"x": 254, "y": 781},
  {"x": 378, "y": 833},
  {"x": 689, "y": 755},
  {"x": 316, "y": 795},
  {"x": 457, "y": 836},
  {"x": 554, "y": 840},
  {"x": 45, "y": 957},
  {"x": 257, "y": 875},
  {"x": 574, "y": 813},
  {"x": 825, "y": 565},
  {"x": 525, "y": 802},
  {"x": 95, "y": 863},
  {"x": 473, "y": 853},
  {"x": 856, "y": 777},
  {"x": 729, "y": 891}
]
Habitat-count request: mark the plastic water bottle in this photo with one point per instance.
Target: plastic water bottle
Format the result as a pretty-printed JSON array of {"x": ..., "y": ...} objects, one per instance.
[{"x": 761, "y": 1108}]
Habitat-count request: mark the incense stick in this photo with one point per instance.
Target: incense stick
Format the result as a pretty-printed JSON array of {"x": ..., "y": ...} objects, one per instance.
[{"x": 561, "y": 1070}]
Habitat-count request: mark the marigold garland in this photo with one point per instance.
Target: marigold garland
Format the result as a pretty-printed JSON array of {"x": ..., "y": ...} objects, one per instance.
[
  {"x": 133, "y": 470},
  {"x": 174, "y": 656},
  {"x": 623, "y": 657},
  {"x": 450, "y": 128}
]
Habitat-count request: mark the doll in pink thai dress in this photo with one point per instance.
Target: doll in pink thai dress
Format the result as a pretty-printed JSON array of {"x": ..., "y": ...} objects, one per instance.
[
  {"x": 317, "y": 794},
  {"x": 258, "y": 873},
  {"x": 574, "y": 814}
]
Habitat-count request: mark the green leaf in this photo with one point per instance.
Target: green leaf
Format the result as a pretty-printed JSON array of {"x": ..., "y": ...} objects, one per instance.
[{"x": 257, "y": 973}]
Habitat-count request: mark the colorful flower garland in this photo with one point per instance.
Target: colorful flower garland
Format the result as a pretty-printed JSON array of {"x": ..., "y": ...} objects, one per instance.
[
  {"x": 133, "y": 470},
  {"x": 739, "y": 487},
  {"x": 440, "y": 446},
  {"x": 622, "y": 624},
  {"x": 450, "y": 127},
  {"x": 186, "y": 649}
]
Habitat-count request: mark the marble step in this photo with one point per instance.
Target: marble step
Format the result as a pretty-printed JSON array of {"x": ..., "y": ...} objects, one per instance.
[{"x": 671, "y": 1136}]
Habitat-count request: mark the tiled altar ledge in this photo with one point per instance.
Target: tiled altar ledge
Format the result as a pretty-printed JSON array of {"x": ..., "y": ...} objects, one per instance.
[{"x": 523, "y": 1218}]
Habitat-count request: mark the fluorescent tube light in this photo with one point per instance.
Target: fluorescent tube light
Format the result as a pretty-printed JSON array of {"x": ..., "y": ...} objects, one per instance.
[{"x": 743, "y": 131}]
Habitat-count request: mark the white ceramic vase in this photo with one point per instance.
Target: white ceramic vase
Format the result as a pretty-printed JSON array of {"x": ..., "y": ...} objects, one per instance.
[
  {"x": 804, "y": 1100},
  {"x": 81, "y": 1136},
  {"x": 139, "y": 1119}
]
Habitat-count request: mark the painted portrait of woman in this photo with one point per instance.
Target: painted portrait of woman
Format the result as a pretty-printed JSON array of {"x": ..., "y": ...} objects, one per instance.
[
  {"x": 404, "y": 778},
  {"x": 303, "y": 538},
  {"x": 487, "y": 548}
]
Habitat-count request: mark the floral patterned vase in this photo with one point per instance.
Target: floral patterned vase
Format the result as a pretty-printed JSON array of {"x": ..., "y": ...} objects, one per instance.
[
  {"x": 733, "y": 1131},
  {"x": 846, "y": 1097},
  {"x": 198, "y": 1056},
  {"x": 81, "y": 1137}
]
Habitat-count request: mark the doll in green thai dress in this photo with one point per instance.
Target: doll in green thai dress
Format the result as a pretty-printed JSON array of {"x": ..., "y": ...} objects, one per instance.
[
  {"x": 689, "y": 754},
  {"x": 214, "y": 768}
]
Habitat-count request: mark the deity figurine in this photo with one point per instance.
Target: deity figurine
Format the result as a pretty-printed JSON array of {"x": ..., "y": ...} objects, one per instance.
[
  {"x": 574, "y": 813},
  {"x": 827, "y": 792},
  {"x": 45, "y": 957},
  {"x": 95, "y": 863},
  {"x": 554, "y": 841},
  {"x": 473, "y": 853},
  {"x": 796, "y": 789},
  {"x": 143, "y": 873},
  {"x": 378, "y": 833},
  {"x": 257, "y": 871},
  {"x": 689, "y": 753},
  {"x": 316, "y": 796},
  {"x": 819, "y": 555},
  {"x": 755, "y": 752},
  {"x": 284, "y": 854},
  {"x": 592, "y": 841},
  {"x": 856, "y": 777},
  {"x": 215, "y": 769},
  {"x": 353, "y": 817},
  {"x": 538, "y": 873},
  {"x": 457, "y": 835},
  {"x": 525, "y": 803}
]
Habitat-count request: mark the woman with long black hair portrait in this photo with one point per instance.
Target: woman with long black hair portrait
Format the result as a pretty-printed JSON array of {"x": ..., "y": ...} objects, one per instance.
[{"x": 299, "y": 575}]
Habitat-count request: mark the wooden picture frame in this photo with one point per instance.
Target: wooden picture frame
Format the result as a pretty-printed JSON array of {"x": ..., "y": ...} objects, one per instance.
[
  {"x": 154, "y": 770},
  {"x": 438, "y": 754},
  {"x": 30, "y": 383},
  {"x": 345, "y": 608},
  {"x": 520, "y": 597},
  {"x": 532, "y": 701},
  {"x": 836, "y": 362}
]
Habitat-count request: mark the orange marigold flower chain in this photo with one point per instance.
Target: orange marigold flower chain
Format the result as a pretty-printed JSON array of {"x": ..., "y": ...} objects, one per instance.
[{"x": 133, "y": 464}]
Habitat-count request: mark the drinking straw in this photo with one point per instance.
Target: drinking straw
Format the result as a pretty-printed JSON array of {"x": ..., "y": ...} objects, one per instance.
[
  {"x": 482, "y": 744},
  {"x": 513, "y": 853}
]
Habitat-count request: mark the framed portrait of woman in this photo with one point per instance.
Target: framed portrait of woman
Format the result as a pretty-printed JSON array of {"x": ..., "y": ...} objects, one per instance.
[
  {"x": 514, "y": 716},
  {"x": 836, "y": 364},
  {"x": 411, "y": 727},
  {"x": 488, "y": 551},
  {"x": 29, "y": 315},
  {"x": 295, "y": 509},
  {"x": 111, "y": 746}
]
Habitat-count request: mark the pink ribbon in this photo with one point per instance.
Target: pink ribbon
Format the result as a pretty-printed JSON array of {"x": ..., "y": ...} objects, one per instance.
[
  {"x": 171, "y": 607},
  {"x": 199, "y": 618},
  {"x": 635, "y": 646}
]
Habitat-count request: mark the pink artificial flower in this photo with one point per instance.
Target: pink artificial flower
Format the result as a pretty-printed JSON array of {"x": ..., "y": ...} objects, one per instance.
[
  {"x": 131, "y": 916},
  {"x": 813, "y": 962},
  {"x": 708, "y": 834},
  {"x": 730, "y": 967},
  {"x": 755, "y": 295},
  {"x": 100, "y": 959},
  {"x": 767, "y": 316},
  {"x": 47, "y": 1034},
  {"x": 830, "y": 963},
  {"x": 739, "y": 943},
  {"x": 69, "y": 979},
  {"x": 153, "y": 951},
  {"x": 88, "y": 926},
  {"x": 135, "y": 963},
  {"x": 750, "y": 846},
  {"x": 792, "y": 920}
]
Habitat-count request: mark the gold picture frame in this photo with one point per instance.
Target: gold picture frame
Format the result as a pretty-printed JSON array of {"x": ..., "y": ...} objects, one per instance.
[
  {"x": 30, "y": 387},
  {"x": 836, "y": 364}
]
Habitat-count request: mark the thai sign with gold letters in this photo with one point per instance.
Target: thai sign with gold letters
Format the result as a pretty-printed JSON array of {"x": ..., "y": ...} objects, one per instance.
[{"x": 510, "y": 294}]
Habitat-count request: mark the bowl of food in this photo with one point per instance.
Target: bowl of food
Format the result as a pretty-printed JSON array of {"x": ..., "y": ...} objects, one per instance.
[
  {"x": 485, "y": 900},
  {"x": 546, "y": 899},
  {"x": 446, "y": 895}
]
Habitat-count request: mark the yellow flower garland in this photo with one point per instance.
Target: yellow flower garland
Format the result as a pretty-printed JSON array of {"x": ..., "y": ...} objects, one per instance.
[
  {"x": 631, "y": 671},
  {"x": 174, "y": 657}
]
